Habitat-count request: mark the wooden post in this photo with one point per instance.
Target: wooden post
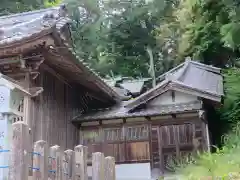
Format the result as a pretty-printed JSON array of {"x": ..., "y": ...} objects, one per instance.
[
  {"x": 40, "y": 161},
  {"x": 110, "y": 168},
  {"x": 98, "y": 163},
  {"x": 81, "y": 162},
  {"x": 27, "y": 102},
  {"x": 56, "y": 163},
  {"x": 19, "y": 157},
  {"x": 69, "y": 161}
]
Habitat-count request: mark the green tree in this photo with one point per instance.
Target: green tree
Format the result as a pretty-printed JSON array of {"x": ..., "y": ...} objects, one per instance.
[{"x": 117, "y": 34}]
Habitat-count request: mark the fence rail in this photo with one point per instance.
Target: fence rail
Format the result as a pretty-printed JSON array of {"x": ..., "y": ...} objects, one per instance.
[{"x": 42, "y": 162}]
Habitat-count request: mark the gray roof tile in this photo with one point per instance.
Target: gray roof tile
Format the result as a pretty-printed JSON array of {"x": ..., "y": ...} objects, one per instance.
[
  {"x": 24, "y": 25},
  {"x": 190, "y": 75},
  {"x": 119, "y": 111},
  {"x": 203, "y": 79}
]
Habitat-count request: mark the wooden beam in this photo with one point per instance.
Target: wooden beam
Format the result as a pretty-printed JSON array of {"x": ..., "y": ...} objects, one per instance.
[
  {"x": 35, "y": 91},
  {"x": 96, "y": 97},
  {"x": 7, "y": 61},
  {"x": 54, "y": 73},
  {"x": 33, "y": 74}
]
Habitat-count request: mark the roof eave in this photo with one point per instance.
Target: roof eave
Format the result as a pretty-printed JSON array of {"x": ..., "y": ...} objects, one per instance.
[
  {"x": 76, "y": 59},
  {"x": 81, "y": 120},
  {"x": 196, "y": 92}
]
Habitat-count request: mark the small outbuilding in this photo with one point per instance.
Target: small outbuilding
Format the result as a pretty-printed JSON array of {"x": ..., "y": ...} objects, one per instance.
[{"x": 151, "y": 132}]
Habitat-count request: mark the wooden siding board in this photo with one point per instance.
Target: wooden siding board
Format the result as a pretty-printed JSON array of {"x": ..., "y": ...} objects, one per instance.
[
  {"x": 168, "y": 141},
  {"x": 53, "y": 110}
]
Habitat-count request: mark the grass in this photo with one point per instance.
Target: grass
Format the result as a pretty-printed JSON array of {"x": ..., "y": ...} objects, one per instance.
[{"x": 224, "y": 164}]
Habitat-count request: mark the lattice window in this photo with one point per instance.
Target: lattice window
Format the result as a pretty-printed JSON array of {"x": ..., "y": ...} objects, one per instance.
[
  {"x": 185, "y": 133},
  {"x": 91, "y": 136},
  {"x": 126, "y": 144},
  {"x": 168, "y": 137},
  {"x": 140, "y": 132},
  {"x": 113, "y": 134}
]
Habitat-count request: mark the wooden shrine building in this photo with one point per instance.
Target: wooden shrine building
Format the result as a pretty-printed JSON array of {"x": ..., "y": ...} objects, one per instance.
[
  {"x": 151, "y": 132},
  {"x": 35, "y": 54},
  {"x": 44, "y": 83}
]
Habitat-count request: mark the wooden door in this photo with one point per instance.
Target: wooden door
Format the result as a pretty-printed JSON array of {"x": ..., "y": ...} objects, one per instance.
[{"x": 170, "y": 143}]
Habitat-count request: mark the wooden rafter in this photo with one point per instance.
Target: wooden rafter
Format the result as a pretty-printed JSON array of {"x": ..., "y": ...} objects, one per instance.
[{"x": 54, "y": 73}]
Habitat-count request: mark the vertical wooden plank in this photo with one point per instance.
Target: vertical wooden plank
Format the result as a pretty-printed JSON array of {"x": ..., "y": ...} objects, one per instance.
[
  {"x": 65, "y": 166},
  {"x": 19, "y": 156},
  {"x": 27, "y": 103},
  {"x": 56, "y": 163},
  {"x": 40, "y": 160},
  {"x": 207, "y": 137},
  {"x": 98, "y": 163},
  {"x": 160, "y": 146},
  {"x": 69, "y": 164},
  {"x": 81, "y": 162},
  {"x": 176, "y": 129},
  {"x": 27, "y": 109},
  {"x": 110, "y": 168}
]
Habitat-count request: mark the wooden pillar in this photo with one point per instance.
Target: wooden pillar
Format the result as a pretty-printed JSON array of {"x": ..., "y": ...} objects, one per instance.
[
  {"x": 110, "y": 173},
  {"x": 81, "y": 162},
  {"x": 56, "y": 163},
  {"x": 69, "y": 165},
  {"x": 98, "y": 163},
  {"x": 19, "y": 156},
  {"x": 205, "y": 131},
  {"x": 40, "y": 161},
  {"x": 207, "y": 137},
  {"x": 27, "y": 102}
]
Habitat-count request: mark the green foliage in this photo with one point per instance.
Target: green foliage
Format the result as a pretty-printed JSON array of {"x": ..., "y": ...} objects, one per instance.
[
  {"x": 201, "y": 31},
  {"x": 224, "y": 164},
  {"x": 225, "y": 161},
  {"x": 230, "y": 111},
  {"x": 116, "y": 35}
]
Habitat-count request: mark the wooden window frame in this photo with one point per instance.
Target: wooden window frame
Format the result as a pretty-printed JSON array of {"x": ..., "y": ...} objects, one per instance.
[{"x": 124, "y": 141}]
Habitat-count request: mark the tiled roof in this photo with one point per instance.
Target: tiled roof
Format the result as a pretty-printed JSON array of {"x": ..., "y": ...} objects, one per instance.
[
  {"x": 190, "y": 77},
  {"x": 123, "y": 93},
  {"x": 120, "y": 111},
  {"x": 134, "y": 86},
  {"x": 20, "y": 26}
]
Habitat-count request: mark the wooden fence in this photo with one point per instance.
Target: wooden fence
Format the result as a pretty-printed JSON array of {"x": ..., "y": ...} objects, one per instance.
[{"x": 51, "y": 163}]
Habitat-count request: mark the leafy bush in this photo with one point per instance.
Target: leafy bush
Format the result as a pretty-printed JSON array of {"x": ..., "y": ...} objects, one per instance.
[{"x": 225, "y": 162}]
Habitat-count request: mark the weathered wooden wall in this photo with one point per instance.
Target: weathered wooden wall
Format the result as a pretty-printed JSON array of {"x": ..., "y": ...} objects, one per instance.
[
  {"x": 161, "y": 141},
  {"x": 53, "y": 110}
]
